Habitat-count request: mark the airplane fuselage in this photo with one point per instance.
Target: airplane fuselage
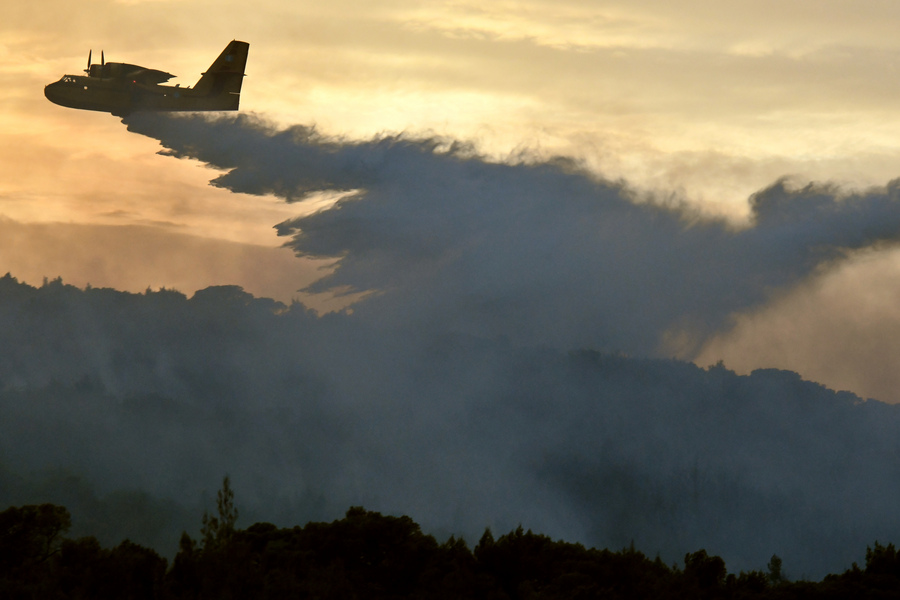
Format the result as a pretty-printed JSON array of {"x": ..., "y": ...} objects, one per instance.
[{"x": 120, "y": 96}]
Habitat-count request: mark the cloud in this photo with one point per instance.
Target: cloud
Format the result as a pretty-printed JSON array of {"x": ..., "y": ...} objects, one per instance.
[{"x": 538, "y": 252}]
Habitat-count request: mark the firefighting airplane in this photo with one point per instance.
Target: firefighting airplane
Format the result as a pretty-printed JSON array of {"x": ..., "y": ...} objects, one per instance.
[{"x": 122, "y": 88}]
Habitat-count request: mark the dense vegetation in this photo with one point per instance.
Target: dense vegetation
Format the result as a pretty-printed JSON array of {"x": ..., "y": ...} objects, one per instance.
[{"x": 369, "y": 555}]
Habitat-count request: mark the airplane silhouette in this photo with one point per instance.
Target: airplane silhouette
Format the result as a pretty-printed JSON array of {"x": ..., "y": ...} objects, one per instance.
[{"x": 122, "y": 88}]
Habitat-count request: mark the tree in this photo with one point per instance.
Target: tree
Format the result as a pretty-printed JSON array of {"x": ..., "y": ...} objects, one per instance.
[
  {"x": 217, "y": 530},
  {"x": 775, "y": 574},
  {"x": 29, "y": 535},
  {"x": 183, "y": 578},
  {"x": 707, "y": 571},
  {"x": 883, "y": 560}
]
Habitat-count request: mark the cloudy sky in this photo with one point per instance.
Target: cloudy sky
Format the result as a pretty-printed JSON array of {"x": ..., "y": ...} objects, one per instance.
[{"x": 691, "y": 102}]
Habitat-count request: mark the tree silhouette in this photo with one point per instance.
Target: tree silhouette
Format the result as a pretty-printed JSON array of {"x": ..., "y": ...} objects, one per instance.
[
  {"x": 31, "y": 534},
  {"x": 217, "y": 530},
  {"x": 883, "y": 560},
  {"x": 775, "y": 575},
  {"x": 707, "y": 571},
  {"x": 367, "y": 555}
]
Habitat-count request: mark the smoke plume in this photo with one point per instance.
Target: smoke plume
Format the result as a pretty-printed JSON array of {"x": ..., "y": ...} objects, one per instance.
[
  {"x": 481, "y": 380},
  {"x": 539, "y": 252}
]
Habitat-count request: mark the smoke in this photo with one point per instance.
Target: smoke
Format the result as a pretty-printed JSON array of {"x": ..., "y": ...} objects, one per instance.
[
  {"x": 476, "y": 383},
  {"x": 156, "y": 395},
  {"x": 840, "y": 328},
  {"x": 538, "y": 252},
  {"x": 137, "y": 257}
]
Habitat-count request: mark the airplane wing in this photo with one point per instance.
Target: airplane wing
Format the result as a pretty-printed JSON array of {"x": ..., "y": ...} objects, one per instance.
[
  {"x": 135, "y": 73},
  {"x": 150, "y": 76}
]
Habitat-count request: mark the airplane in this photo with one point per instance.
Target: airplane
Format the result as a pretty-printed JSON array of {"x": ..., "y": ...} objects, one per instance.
[{"x": 122, "y": 88}]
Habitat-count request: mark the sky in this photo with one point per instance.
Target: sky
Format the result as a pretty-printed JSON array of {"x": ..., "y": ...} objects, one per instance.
[
  {"x": 690, "y": 102},
  {"x": 473, "y": 199}
]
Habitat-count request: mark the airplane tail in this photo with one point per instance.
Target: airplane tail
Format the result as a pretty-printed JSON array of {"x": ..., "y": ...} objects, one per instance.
[{"x": 221, "y": 83}]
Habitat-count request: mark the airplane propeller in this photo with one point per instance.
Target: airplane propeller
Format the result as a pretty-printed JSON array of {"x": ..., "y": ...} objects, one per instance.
[{"x": 102, "y": 61}]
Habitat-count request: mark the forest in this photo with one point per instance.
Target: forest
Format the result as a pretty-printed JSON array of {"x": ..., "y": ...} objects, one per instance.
[
  {"x": 370, "y": 555},
  {"x": 126, "y": 409}
]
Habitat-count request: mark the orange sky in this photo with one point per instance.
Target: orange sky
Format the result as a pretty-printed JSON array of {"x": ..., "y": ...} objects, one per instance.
[{"x": 701, "y": 100}]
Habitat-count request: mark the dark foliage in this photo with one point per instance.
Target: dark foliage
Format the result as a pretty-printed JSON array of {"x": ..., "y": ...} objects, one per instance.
[{"x": 370, "y": 555}]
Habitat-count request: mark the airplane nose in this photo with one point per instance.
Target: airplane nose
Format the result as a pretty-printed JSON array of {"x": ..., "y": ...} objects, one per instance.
[{"x": 51, "y": 92}]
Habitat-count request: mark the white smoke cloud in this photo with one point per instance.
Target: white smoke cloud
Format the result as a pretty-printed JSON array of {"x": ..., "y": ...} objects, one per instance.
[
  {"x": 542, "y": 253},
  {"x": 460, "y": 391}
]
